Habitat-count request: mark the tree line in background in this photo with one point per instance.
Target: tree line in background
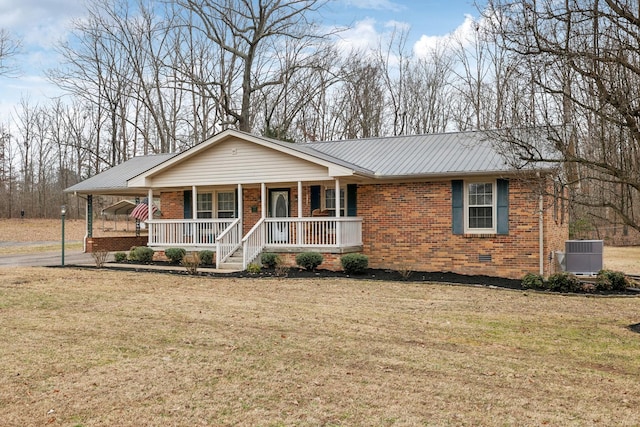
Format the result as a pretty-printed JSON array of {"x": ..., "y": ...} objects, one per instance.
[{"x": 152, "y": 77}]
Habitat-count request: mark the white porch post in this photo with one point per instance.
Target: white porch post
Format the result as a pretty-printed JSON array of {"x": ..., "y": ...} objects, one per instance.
[
  {"x": 338, "y": 222},
  {"x": 240, "y": 208},
  {"x": 263, "y": 199},
  {"x": 194, "y": 202},
  {"x": 150, "y": 214},
  {"x": 299, "y": 225},
  {"x": 299, "y": 199},
  {"x": 263, "y": 207},
  {"x": 150, "y": 204}
]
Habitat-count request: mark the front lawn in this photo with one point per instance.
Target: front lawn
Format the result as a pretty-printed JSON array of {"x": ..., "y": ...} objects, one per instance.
[{"x": 86, "y": 347}]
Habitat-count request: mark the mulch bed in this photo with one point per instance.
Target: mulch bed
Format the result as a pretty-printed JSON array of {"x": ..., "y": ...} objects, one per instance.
[{"x": 370, "y": 274}]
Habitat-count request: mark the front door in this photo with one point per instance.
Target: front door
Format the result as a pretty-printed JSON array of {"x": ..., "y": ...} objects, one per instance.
[{"x": 279, "y": 208}]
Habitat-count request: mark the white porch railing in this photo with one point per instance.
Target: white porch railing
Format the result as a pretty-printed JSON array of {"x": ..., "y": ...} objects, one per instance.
[
  {"x": 228, "y": 241},
  {"x": 253, "y": 243},
  {"x": 186, "y": 232},
  {"x": 226, "y": 234},
  {"x": 313, "y": 232}
]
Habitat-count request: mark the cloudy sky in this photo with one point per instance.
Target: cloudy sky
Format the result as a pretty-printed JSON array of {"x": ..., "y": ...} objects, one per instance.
[{"x": 40, "y": 23}]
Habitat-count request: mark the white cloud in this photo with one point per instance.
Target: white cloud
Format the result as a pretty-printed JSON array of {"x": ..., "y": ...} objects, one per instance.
[
  {"x": 363, "y": 36},
  {"x": 463, "y": 34},
  {"x": 37, "y": 22}
]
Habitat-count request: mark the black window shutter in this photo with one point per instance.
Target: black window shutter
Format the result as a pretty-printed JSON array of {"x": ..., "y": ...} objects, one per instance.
[
  {"x": 188, "y": 204},
  {"x": 352, "y": 199},
  {"x": 315, "y": 197},
  {"x": 503, "y": 206},
  {"x": 236, "y": 194},
  {"x": 457, "y": 206}
]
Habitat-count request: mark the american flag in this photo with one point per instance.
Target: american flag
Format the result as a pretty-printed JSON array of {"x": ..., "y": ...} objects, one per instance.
[{"x": 141, "y": 211}]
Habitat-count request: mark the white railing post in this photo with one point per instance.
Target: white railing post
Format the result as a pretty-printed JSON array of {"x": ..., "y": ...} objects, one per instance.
[{"x": 338, "y": 222}]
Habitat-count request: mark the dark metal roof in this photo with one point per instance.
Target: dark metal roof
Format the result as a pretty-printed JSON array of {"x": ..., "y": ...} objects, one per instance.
[{"x": 115, "y": 179}]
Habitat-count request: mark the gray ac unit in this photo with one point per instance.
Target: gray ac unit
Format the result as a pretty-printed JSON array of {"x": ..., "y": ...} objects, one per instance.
[{"x": 583, "y": 256}]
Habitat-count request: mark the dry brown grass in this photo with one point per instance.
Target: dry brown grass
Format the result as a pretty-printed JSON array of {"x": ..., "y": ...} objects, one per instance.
[
  {"x": 625, "y": 259},
  {"x": 45, "y": 233},
  {"x": 39, "y": 230},
  {"x": 104, "y": 348}
]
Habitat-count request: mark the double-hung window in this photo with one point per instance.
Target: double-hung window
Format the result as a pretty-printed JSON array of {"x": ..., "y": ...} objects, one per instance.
[
  {"x": 226, "y": 204},
  {"x": 330, "y": 200},
  {"x": 481, "y": 207},
  {"x": 205, "y": 205}
]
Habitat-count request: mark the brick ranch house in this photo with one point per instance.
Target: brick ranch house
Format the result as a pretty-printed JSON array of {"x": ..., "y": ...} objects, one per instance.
[{"x": 437, "y": 202}]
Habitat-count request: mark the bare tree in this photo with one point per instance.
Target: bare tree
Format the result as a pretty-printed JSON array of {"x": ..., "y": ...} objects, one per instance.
[
  {"x": 8, "y": 179},
  {"x": 9, "y": 47},
  {"x": 248, "y": 34},
  {"x": 359, "y": 104},
  {"x": 429, "y": 92},
  {"x": 583, "y": 60},
  {"x": 394, "y": 63}
]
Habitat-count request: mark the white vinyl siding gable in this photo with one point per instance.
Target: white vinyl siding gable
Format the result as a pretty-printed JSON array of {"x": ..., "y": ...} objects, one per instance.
[{"x": 239, "y": 162}]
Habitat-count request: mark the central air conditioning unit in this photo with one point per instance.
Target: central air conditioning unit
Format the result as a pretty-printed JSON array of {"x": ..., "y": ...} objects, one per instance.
[{"x": 583, "y": 256}]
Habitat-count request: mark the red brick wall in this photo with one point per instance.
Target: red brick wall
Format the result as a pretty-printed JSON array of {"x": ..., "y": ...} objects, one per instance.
[
  {"x": 172, "y": 204},
  {"x": 408, "y": 226},
  {"x": 555, "y": 230},
  {"x": 251, "y": 198},
  {"x": 111, "y": 244},
  {"x": 329, "y": 261}
]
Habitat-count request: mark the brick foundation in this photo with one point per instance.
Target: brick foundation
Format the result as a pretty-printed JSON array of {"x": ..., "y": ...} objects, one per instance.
[
  {"x": 330, "y": 261},
  {"x": 112, "y": 244}
]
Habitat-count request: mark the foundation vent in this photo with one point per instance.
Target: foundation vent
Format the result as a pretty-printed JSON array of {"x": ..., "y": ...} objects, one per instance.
[{"x": 484, "y": 258}]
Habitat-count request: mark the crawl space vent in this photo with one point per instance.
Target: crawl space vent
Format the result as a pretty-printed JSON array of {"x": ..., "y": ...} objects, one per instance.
[{"x": 484, "y": 257}]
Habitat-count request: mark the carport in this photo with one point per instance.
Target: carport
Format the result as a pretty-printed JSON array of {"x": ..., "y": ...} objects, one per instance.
[{"x": 123, "y": 207}]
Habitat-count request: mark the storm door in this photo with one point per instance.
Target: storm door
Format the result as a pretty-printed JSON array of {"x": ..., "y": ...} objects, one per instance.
[{"x": 279, "y": 208}]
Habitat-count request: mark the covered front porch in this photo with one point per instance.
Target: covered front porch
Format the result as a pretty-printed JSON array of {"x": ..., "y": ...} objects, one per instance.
[{"x": 254, "y": 228}]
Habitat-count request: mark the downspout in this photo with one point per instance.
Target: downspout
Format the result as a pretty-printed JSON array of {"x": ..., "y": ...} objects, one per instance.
[{"x": 541, "y": 234}]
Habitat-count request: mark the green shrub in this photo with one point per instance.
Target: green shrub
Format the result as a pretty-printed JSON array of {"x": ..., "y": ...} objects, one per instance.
[
  {"x": 309, "y": 260},
  {"x": 354, "y": 263},
  {"x": 609, "y": 280},
  {"x": 132, "y": 253},
  {"x": 269, "y": 259},
  {"x": 563, "y": 282},
  {"x": 253, "y": 268},
  {"x": 175, "y": 255},
  {"x": 141, "y": 254},
  {"x": 532, "y": 281},
  {"x": 120, "y": 256},
  {"x": 206, "y": 257}
]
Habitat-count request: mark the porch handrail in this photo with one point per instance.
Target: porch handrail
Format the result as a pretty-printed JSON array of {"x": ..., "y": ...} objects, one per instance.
[
  {"x": 228, "y": 241},
  {"x": 253, "y": 243},
  {"x": 313, "y": 231},
  {"x": 186, "y": 232}
]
